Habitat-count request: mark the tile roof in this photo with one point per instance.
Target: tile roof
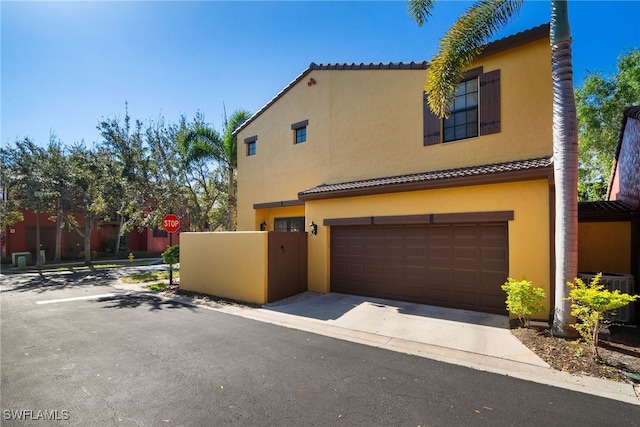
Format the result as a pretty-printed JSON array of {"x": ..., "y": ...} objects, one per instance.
[
  {"x": 428, "y": 177},
  {"x": 507, "y": 42},
  {"x": 604, "y": 208},
  {"x": 372, "y": 66}
]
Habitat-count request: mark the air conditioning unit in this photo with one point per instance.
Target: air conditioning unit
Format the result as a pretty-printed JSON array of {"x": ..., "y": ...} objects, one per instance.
[{"x": 622, "y": 282}]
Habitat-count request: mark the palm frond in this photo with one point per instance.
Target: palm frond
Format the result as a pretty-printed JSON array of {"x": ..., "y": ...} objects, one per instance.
[
  {"x": 461, "y": 45},
  {"x": 230, "y": 142},
  {"x": 200, "y": 143},
  {"x": 420, "y": 10}
]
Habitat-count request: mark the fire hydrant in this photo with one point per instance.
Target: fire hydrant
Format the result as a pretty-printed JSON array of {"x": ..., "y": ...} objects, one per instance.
[{"x": 131, "y": 257}]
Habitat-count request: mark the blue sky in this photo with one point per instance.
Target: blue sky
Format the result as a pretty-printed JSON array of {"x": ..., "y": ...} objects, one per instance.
[{"x": 66, "y": 65}]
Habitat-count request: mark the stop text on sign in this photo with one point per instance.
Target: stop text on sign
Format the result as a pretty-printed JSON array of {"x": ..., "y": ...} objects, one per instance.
[{"x": 171, "y": 223}]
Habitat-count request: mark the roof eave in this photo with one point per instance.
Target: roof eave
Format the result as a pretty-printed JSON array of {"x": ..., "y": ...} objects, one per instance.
[{"x": 492, "y": 178}]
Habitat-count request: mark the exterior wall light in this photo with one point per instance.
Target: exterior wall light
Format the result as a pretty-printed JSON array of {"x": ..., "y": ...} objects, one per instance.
[
  {"x": 263, "y": 226},
  {"x": 313, "y": 228}
]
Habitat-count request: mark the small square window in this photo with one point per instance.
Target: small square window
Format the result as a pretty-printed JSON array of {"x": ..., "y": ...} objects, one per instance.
[
  {"x": 251, "y": 149},
  {"x": 299, "y": 131},
  {"x": 301, "y": 135},
  {"x": 251, "y": 145}
]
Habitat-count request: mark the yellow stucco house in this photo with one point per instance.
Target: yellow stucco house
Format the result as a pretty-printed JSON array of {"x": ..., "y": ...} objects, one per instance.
[{"x": 397, "y": 203}]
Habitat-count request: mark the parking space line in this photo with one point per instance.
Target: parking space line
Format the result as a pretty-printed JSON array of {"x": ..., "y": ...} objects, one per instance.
[{"x": 88, "y": 297}]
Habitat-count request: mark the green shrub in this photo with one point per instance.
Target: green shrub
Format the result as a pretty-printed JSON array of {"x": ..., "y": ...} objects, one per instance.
[
  {"x": 523, "y": 299},
  {"x": 171, "y": 255},
  {"x": 589, "y": 303}
]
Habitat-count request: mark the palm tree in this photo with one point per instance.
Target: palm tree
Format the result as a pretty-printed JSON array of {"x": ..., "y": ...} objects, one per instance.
[
  {"x": 458, "y": 48},
  {"x": 203, "y": 142},
  {"x": 230, "y": 143}
]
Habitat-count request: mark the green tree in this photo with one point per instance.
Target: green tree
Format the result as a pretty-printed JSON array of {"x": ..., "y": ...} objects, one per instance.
[
  {"x": 28, "y": 183},
  {"x": 127, "y": 147},
  {"x": 600, "y": 101},
  {"x": 523, "y": 299},
  {"x": 458, "y": 48},
  {"x": 202, "y": 142},
  {"x": 230, "y": 159},
  {"x": 590, "y": 302},
  {"x": 56, "y": 168},
  {"x": 95, "y": 190},
  {"x": 202, "y": 177}
]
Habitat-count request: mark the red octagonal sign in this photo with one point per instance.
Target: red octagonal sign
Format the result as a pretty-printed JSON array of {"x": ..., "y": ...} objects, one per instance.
[{"x": 171, "y": 223}]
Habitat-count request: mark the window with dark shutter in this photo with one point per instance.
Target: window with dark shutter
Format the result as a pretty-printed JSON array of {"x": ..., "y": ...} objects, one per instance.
[
  {"x": 431, "y": 124},
  {"x": 490, "y": 102},
  {"x": 475, "y": 110}
]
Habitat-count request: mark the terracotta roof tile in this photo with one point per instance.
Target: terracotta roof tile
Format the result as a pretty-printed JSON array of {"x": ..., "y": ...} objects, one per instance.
[{"x": 431, "y": 176}]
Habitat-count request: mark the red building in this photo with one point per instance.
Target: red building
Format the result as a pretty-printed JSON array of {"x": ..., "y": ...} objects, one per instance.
[{"x": 21, "y": 237}]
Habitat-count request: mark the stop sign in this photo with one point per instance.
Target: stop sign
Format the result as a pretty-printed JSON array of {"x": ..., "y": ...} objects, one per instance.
[{"x": 171, "y": 223}]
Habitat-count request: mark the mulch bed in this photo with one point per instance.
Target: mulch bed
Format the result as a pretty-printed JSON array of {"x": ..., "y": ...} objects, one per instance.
[{"x": 619, "y": 352}]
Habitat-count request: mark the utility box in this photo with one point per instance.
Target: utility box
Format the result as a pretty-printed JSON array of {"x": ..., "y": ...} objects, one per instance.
[{"x": 16, "y": 255}]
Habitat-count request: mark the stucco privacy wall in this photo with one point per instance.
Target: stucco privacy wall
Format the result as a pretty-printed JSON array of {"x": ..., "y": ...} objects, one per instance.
[
  {"x": 369, "y": 123},
  {"x": 604, "y": 247},
  {"x": 226, "y": 264},
  {"x": 529, "y": 231}
]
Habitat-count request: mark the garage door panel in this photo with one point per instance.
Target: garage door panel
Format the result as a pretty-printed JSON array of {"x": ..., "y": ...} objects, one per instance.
[
  {"x": 440, "y": 253},
  {"x": 439, "y": 275},
  {"x": 463, "y": 277},
  {"x": 493, "y": 231},
  {"x": 416, "y": 272},
  {"x": 465, "y": 298},
  {"x": 494, "y": 254},
  {"x": 492, "y": 304},
  {"x": 465, "y": 253},
  {"x": 356, "y": 268},
  {"x": 465, "y": 231},
  {"x": 374, "y": 269},
  {"x": 438, "y": 296},
  {"x": 416, "y": 292},
  {"x": 455, "y": 265}
]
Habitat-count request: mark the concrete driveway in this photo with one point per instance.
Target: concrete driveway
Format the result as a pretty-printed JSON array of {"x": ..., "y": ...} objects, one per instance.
[{"x": 456, "y": 330}]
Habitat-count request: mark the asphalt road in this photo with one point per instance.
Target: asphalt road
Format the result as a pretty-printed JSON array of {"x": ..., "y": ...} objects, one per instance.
[{"x": 139, "y": 360}]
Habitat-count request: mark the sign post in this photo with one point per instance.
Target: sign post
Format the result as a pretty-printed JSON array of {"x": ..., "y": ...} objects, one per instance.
[{"x": 171, "y": 224}]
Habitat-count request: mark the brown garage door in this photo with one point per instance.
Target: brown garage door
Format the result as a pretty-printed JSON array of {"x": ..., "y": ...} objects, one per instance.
[{"x": 453, "y": 265}]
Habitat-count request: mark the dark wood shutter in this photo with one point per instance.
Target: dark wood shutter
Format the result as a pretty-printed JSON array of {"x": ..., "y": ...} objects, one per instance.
[
  {"x": 490, "y": 102},
  {"x": 431, "y": 124}
]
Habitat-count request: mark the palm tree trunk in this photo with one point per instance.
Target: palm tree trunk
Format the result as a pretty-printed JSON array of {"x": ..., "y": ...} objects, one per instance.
[
  {"x": 231, "y": 205},
  {"x": 565, "y": 163}
]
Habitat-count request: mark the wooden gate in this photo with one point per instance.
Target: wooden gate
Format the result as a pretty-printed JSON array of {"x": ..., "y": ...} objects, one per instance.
[{"x": 287, "y": 264}]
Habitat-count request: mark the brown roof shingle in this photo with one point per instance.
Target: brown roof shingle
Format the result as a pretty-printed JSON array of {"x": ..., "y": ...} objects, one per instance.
[
  {"x": 480, "y": 174},
  {"x": 604, "y": 209}
]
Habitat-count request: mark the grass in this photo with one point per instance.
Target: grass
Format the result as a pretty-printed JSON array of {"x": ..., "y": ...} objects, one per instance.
[
  {"x": 149, "y": 276},
  {"x": 156, "y": 287},
  {"x": 99, "y": 264}
]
